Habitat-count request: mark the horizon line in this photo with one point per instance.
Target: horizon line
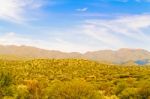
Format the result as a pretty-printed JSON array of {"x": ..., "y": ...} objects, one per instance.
[{"x": 107, "y": 49}]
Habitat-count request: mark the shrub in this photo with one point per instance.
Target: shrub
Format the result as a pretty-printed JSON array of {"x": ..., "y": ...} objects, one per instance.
[
  {"x": 129, "y": 93},
  {"x": 75, "y": 89},
  {"x": 144, "y": 90},
  {"x": 22, "y": 92},
  {"x": 120, "y": 87},
  {"x": 5, "y": 84}
]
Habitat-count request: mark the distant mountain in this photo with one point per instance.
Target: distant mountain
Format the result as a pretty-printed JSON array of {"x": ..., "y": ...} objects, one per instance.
[
  {"x": 33, "y": 52},
  {"x": 121, "y": 56}
]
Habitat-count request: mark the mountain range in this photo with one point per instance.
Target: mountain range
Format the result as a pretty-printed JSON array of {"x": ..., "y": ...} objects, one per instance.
[{"x": 121, "y": 56}]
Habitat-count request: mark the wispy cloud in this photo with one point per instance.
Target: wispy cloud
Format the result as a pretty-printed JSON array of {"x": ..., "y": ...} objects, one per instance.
[
  {"x": 12, "y": 38},
  {"x": 91, "y": 34},
  {"x": 17, "y": 10},
  {"x": 114, "y": 31},
  {"x": 82, "y": 9},
  {"x": 60, "y": 44}
]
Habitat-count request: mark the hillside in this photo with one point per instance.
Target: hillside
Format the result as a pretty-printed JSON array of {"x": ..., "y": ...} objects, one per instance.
[
  {"x": 72, "y": 79},
  {"x": 121, "y": 56}
]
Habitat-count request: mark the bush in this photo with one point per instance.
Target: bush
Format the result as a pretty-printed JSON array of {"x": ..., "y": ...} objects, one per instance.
[
  {"x": 144, "y": 90},
  {"x": 5, "y": 84},
  {"x": 129, "y": 93},
  {"x": 5, "y": 79},
  {"x": 120, "y": 87},
  {"x": 75, "y": 89}
]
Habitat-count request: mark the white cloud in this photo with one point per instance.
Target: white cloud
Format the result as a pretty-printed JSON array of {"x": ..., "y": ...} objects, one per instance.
[
  {"x": 82, "y": 9},
  {"x": 14, "y": 39},
  {"x": 16, "y": 10},
  {"x": 57, "y": 44},
  {"x": 115, "y": 32},
  {"x": 103, "y": 35},
  {"x": 93, "y": 34}
]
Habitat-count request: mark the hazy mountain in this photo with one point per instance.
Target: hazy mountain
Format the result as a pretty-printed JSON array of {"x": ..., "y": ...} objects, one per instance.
[
  {"x": 33, "y": 52},
  {"x": 137, "y": 56},
  {"x": 120, "y": 56}
]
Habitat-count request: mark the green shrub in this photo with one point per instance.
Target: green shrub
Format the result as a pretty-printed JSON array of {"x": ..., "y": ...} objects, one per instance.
[
  {"x": 5, "y": 84},
  {"x": 75, "y": 89},
  {"x": 22, "y": 92},
  {"x": 144, "y": 90},
  {"x": 129, "y": 93},
  {"x": 120, "y": 87}
]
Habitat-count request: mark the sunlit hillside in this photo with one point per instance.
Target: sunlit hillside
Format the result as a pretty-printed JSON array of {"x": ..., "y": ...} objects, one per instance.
[{"x": 72, "y": 79}]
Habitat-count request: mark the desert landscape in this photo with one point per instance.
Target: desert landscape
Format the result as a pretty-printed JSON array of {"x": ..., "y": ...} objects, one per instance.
[{"x": 74, "y": 49}]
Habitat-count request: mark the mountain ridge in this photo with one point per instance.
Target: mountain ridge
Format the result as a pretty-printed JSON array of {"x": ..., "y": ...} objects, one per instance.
[{"x": 123, "y": 55}]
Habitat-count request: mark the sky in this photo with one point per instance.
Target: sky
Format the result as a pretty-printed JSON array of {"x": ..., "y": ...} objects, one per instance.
[{"x": 76, "y": 25}]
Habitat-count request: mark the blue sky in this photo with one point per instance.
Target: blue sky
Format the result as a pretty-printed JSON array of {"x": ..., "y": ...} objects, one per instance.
[{"x": 76, "y": 25}]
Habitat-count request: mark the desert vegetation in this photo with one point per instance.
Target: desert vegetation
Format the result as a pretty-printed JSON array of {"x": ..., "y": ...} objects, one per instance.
[{"x": 72, "y": 79}]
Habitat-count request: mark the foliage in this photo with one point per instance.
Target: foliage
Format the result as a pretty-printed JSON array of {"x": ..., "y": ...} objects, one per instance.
[
  {"x": 75, "y": 89},
  {"x": 72, "y": 79}
]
